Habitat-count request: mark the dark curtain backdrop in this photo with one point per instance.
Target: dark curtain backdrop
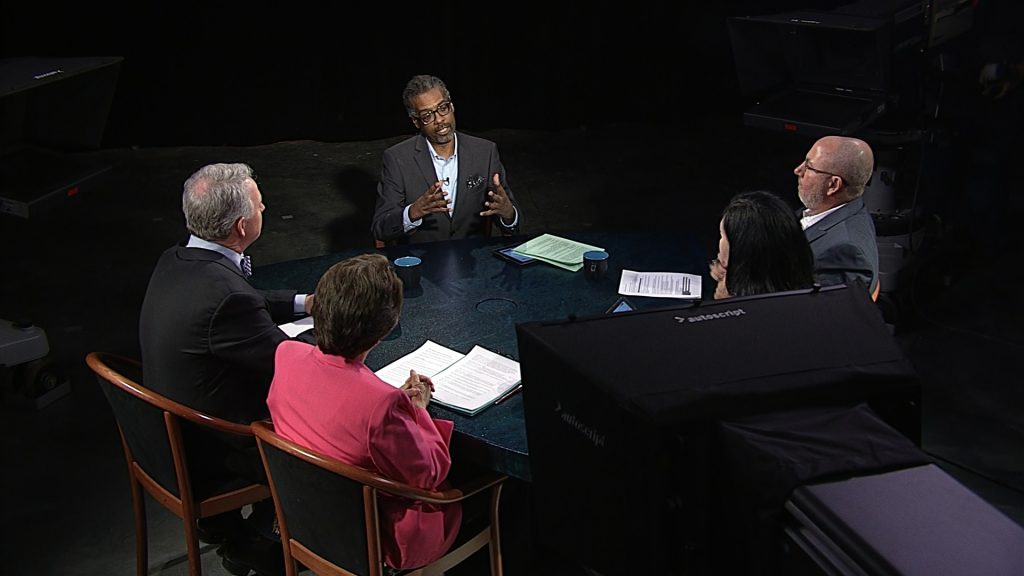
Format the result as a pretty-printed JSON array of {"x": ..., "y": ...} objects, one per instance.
[{"x": 233, "y": 73}]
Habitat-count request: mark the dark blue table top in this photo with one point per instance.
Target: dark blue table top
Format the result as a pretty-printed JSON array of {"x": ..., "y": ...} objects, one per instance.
[{"x": 468, "y": 296}]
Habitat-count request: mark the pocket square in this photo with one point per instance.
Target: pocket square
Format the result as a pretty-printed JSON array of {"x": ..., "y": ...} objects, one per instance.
[{"x": 474, "y": 181}]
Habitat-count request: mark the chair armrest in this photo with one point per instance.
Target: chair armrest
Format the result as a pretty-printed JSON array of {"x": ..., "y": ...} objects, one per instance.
[
  {"x": 467, "y": 488},
  {"x": 464, "y": 490},
  {"x": 215, "y": 423},
  {"x": 264, "y": 432},
  {"x": 458, "y": 493},
  {"x": 102, "y": 364}
]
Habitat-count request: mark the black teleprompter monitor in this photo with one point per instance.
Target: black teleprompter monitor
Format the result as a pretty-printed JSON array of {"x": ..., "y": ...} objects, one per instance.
[
  {"x": 48, "y": 107},
  {"x": 620, "y": 412},
  {"x": 817, "y": 72}
]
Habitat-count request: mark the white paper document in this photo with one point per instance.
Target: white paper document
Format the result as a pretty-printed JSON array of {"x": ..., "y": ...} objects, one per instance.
[
  {"x": 427, "y": 360},
  {"x": 476, "y": 381},
  {"x": 660, "y": 284},
  {"x": 293, "y": 329},
  {"x": 467, "y": 383}
]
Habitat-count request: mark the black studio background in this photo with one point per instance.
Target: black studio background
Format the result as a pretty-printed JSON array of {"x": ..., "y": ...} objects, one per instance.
[{"x": 235, "y": 73}]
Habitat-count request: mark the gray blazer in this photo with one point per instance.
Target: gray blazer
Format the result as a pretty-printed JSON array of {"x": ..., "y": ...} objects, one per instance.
[
  {"x": 844, "y": 246},
  {"x": 407, "y": 172}
]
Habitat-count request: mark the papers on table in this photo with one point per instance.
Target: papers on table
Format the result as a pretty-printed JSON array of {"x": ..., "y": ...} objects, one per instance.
[
  {"x": 466, "y": 383},
  {"x": 293, "y": 329},
  {"x": 660, "y": 284},
  {"x": 427, "y": 360},
  {"x": 558, "y": 251}
]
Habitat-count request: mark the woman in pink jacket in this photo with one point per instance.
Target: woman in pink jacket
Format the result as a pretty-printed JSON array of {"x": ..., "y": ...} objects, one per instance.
[{"x": 325, "y": 398}]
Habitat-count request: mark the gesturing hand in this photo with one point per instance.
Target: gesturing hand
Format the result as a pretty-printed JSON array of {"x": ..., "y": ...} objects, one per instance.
[
  {"x": 432, "y": 201},
  {"x": 498, "y": 202}
]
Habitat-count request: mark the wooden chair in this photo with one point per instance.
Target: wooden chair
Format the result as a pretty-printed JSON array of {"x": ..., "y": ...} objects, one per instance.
[
  {"x": 327, "y": 511},
  {"x": 151, "y": 428}
]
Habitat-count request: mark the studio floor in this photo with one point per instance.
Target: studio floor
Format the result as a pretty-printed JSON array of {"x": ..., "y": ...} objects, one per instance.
[{"x": 79, "y": 272}]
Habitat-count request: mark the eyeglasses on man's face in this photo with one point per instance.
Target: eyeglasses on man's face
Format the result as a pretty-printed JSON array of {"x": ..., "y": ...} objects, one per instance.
[
  {"x": 807, "y": 166},
  {"x": 427, "y": 116}
]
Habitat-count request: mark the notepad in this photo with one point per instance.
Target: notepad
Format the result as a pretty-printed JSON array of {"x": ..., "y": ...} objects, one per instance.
[
  {"x": 466, "y": 383},
  {"x": 557, "y": 251}
]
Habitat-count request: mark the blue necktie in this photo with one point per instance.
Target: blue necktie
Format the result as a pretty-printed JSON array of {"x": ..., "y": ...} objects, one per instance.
[{"x": 246, "y": 266}]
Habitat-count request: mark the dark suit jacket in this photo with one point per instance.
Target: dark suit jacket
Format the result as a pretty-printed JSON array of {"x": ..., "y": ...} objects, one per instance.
[
  {"x": 407, "y": 172},
  {"x": 844, "y": 246},
  {"x": 208, "y": 337},
  {"x": 208, "y": 341}
]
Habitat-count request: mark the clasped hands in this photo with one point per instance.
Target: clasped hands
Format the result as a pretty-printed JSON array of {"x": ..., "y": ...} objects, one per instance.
[
  {"x": 435, "y": 200},
  {"x": 418, "y": 388}
]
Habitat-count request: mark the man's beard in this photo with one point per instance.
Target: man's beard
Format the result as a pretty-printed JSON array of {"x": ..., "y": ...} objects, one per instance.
[
  {"x": 435, "y": 138},
  {"x": 811, "y": 199}
]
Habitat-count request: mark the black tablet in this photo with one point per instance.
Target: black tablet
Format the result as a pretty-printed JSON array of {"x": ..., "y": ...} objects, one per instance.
[{"x": 509, "y": 254}]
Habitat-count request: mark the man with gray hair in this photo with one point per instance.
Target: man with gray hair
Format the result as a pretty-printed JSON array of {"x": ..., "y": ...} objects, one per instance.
[
  {"x": 208, "y": 339},
  {"x": 440, "y": 184},
  {"x": 830, "y": 183}
]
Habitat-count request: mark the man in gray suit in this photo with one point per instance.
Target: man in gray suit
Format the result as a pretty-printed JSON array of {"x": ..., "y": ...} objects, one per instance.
[
  {"x": 830, "y": 183},
  {"x": 440, "y": 184}
]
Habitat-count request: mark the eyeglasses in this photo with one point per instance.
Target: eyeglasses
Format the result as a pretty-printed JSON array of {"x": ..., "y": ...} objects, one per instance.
[
  {"x": 427, "y": 116},
  {"x": 807, "y": 166}
]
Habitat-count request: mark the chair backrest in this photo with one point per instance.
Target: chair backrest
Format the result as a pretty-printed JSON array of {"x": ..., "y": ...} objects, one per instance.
[
  {"x": 328, "y": 517},
  {"x": 153, "y": 427},
  {"x": 319, "y": 505},
  {"x": 140, "y": 419}
]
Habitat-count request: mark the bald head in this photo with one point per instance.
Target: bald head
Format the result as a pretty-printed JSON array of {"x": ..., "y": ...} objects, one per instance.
[
  {"x": 834, "y": 172},
  {"x": 850, "y": 158}
]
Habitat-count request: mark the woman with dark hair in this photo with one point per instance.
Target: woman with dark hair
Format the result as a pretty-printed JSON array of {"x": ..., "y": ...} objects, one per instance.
[
  {"x": 325, "y": 398},
  {"x": 761, "y": 248}
]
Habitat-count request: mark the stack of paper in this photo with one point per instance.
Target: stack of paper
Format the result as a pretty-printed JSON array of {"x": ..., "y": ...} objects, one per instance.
[
  {"x": 561, "y": 252},
  {"x": 466, "y": 383}
]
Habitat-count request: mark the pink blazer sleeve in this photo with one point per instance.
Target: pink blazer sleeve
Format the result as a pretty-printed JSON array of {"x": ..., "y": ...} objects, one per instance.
[{"x": 406, "y": 444}]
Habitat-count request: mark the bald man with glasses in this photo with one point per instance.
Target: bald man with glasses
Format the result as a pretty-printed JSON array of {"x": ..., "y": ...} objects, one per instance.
[
  {"x": 838, "y": 226},
  {"x": 440, "y": 184}
]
